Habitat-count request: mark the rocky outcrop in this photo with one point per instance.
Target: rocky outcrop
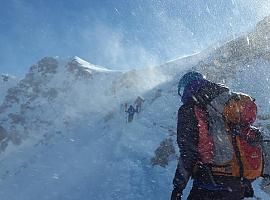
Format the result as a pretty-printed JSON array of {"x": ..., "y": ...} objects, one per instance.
[
  {"x": 30, "y": 106},
  {"x": 78, "y": 71},
  {"x": 45, "y": 66},
  {"x": 164, "y": 153}
]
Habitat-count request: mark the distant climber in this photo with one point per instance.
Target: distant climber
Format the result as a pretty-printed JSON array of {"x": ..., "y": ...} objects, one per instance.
[
  {"x": 138, "y": 103},
  {"x": 123, "y": 107},
  {"x": 131, "y": 111}
]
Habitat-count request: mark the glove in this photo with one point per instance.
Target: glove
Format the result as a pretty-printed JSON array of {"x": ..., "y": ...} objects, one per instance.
[
  {"x": 247, "y": 188},
  {"x": 266, "y": 176},
  {"x": 176, "y": 194},
  {"x": 180, "y": 180}
]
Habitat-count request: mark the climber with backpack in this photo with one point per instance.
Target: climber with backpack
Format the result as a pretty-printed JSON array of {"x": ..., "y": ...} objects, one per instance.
[
  {"x": 219, "y": 148},
  {"x": 131, "y": 111}
]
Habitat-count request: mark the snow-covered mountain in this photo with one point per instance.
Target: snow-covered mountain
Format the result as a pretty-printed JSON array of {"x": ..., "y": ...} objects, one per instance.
[{"x": 63, "y": 129}]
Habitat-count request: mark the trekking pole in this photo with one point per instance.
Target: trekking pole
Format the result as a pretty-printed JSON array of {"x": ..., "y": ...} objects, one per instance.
[{"x": 126, "y": 113}]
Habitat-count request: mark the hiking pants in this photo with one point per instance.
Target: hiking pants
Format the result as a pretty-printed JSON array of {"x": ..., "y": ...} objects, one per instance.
[{"x": 203, "y": 194}]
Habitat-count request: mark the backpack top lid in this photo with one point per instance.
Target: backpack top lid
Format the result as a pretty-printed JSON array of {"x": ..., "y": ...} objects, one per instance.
[{"x": 241, "y": 109}]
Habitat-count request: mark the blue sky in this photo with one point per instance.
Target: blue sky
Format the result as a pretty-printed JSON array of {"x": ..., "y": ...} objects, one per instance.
[{"x": 118, "y": 34}]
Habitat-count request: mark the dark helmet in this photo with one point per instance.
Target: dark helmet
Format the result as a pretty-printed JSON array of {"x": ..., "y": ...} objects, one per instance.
[{"x": 187, "y": 78}]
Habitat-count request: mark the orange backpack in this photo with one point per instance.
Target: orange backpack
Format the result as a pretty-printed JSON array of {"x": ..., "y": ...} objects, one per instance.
[{"x": 227, "y": 140}]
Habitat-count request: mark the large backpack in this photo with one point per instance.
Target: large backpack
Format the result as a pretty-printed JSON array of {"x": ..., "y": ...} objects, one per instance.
[{"x": 227, "y": 141}]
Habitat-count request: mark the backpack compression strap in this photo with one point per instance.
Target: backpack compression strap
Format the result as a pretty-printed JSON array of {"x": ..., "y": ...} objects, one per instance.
[{"x": 236, "y": 132}]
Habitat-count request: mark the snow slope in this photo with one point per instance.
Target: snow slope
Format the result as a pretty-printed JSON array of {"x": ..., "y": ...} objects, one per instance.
[
  {"x": 63, "y": 131},
  {"x": 74, "y": 143}
]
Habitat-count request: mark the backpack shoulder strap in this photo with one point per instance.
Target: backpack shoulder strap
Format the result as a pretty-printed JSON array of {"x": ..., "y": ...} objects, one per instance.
[{"x": 209, "y": 92}]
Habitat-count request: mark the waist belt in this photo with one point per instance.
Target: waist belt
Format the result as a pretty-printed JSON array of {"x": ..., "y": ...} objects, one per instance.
[{"x": 213, "y": 187}]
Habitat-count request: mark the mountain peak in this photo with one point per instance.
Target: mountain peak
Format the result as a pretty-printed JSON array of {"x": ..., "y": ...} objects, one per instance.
[
  {"x": 47, "y": 65},
  {"x": 79, "y": 60},
  {"x": 88, "y": 65}
]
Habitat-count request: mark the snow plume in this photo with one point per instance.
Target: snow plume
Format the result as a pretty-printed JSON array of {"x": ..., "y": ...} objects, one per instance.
[
  {"x": 173, "y": 36},
  {"x": 69, "y": 90},
  {"x": 258, "y": 7},
  {"x": 119, "y": 34},
  {"x": 116, "y": 50},
  {"x": 137, "y": 82}
]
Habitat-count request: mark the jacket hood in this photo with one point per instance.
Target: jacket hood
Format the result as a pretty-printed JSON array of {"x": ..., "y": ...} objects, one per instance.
[{"x": 192, "y": 88}]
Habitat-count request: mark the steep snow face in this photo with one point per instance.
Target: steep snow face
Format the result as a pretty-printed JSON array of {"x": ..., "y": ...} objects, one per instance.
[
  {"x": 221, "y": 64},
  {"x": 254, "y": 79}
]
